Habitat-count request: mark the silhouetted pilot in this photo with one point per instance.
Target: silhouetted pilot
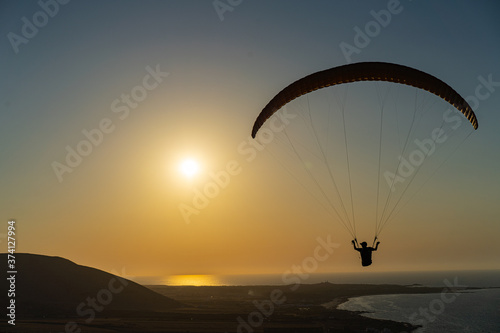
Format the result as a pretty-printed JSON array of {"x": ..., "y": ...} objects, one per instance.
[{"x": 365, "y": 252}]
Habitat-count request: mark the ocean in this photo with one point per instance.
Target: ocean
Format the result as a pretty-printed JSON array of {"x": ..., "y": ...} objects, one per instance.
[
  {"x": 472, "y": 311},
  {"x": 475, "y": 311},
  {"x": 489, "y": 278}
]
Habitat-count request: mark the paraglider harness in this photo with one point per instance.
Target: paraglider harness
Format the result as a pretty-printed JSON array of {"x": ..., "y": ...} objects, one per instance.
[{"x": 363, "y": 263}]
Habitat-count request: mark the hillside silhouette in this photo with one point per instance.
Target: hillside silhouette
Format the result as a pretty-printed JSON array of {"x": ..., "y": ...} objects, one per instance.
[{"x": 53, "y": 287}]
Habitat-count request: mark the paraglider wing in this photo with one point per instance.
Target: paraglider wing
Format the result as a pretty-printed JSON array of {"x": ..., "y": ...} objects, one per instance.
[{"x": 365, "y": 71}]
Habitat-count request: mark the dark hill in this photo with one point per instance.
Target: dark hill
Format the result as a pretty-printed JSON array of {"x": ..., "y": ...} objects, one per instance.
[{"x": 54, "y": 286}]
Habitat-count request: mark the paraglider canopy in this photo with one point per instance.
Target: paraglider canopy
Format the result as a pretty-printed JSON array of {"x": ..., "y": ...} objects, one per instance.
[
  {"x": 355, "y": 139},
  {"x": 365, "y": 71}
]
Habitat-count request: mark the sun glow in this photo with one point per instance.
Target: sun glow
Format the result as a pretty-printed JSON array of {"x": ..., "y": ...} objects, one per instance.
[
  {"x": 189, "y": 168},
  {"x": 192, "y": 280}
]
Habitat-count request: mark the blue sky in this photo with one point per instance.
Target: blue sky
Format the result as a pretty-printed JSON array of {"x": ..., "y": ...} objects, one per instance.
[{"x": 123, "y": 198}]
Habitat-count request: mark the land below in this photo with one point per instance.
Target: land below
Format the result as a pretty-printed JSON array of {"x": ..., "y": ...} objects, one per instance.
[{"x": 56, "y": 295}]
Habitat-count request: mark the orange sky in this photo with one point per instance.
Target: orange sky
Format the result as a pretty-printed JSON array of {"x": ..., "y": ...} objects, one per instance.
[{"x": 119, "y": 207}]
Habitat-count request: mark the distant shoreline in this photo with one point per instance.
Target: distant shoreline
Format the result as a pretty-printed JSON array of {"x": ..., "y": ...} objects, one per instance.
[
  {"x": 380, "y": 313},
  {"x": 213, "y": 309},
  {"x": 320, "y": 299},
  {"x": 477, "y": 278},
  {"x": 53, "y": 292}
]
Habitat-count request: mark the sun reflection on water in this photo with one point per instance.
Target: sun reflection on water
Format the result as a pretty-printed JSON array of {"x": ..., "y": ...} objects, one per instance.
[{"x": 192, "y": 280}]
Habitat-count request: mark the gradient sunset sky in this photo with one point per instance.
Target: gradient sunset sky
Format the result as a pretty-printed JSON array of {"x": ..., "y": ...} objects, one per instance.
[{"x": 216, "y": 66}]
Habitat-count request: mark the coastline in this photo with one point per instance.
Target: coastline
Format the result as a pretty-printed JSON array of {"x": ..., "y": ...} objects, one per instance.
[
  {"x": 242, "y": 309},
  {"x": 96, "y": 301},
  {"x": 426, "y": 309},
  {"x": 311, "y": 306},
  {"x": 261, "y": 309},
  {"x": 372, "y": 324},
  {"x": 333, "y": 304},
  {"x": 391, "y": 325}
]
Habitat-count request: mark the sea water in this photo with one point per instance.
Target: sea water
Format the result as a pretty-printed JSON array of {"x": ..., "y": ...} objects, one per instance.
[
  {"x": 466, "y": 311},
  {"x": 489, "y": 278},
  {"x": 476, "y": 310}
]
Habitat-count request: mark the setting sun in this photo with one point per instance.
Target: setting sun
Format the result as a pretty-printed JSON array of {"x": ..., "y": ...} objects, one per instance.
[
  {"x": 250, "y": 166},
  {"x": 189, "y": 168}
]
